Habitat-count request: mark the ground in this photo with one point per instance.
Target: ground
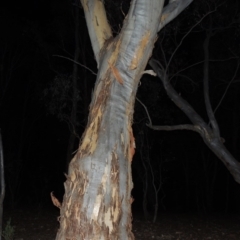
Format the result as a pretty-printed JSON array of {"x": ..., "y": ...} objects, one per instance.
[{"x": 39, "y": 224}]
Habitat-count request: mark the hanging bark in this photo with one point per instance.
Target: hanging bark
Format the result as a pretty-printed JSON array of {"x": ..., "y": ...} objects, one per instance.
[{"x": 97, "y": 200}]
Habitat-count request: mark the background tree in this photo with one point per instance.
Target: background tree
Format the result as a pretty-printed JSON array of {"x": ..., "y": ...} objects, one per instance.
[
  {"x": 209, "y": 132},
  {"x": 213, "y": 26}
]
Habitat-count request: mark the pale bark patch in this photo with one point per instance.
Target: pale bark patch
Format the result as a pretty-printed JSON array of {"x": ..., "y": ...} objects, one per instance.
[
  {"x": 71, "y": 203},
  {"x": 101, "y": 25},
  {"x": 139, "y": 53},
  {"x": 89, "y": 143},
  {"x": 108, "y": 220},
  {"x": 99, "y": 21},
  {"x": 115, "y": 54},
  {"x": 116, "y": 74},
  {"x": 122, "y": 139},
  {"x": 96, "y": 207}
]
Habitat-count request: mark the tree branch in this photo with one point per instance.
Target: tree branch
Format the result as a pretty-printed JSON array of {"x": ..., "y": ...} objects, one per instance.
[
  {"x": 150, "y": 121},
  {"x": 230, "y": 82},
  {"x": 176, "y": 127},
  {"x": 98, "y": 27},
  {"x": 77, "y": 63},
  {"x": 209, "y": 110},
  {"x": 215, "y": 143},
  {"x": 200, "y": 62},
  {"x": 172, "y": 10},
  {"x": 190, "y": 30},
  {"x": 175, "y": 97}
]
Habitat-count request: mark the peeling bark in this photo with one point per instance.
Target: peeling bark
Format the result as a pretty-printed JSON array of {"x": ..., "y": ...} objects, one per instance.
[{"x": 97, "y": 200}]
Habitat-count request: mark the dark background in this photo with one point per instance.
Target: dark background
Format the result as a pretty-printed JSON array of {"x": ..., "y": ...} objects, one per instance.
[{"x": 35, "y": 104}]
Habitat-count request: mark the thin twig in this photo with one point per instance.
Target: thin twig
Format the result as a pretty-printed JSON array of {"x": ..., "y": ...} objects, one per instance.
[
  {"x": 200, "y": 62},
  {"x": 225, "y": 92},
  {"x": 150, "y": 121},
  {"x": 186, "y": 36},
  {"x": 76, "y": 63}
]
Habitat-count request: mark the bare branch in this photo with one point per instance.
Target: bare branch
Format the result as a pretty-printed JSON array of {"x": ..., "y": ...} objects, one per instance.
[
  {"x": 190, "y": 30},
  {"x": 175, "y": 97},
  {"x": 208, "y": 105},
  {"x": 229, "y": 84},
  {"x": 76, "y": 63},
  {"x": 198, "y": 63},
  {"x": 215, "y": 143},
  {"x": 150, "y": 121},
  {"x": 175, "y": 127}
]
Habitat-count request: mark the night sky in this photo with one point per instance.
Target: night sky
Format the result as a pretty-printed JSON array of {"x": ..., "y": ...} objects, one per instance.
[{"x": 35, "y": 104}]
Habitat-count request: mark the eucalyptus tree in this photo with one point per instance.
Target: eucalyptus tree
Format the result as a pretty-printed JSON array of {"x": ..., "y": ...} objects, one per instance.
[{"x": 97, "y": 200}]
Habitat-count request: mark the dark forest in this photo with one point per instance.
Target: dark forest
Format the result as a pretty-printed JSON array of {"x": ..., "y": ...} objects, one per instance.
[{"x": 47, "y": 76}]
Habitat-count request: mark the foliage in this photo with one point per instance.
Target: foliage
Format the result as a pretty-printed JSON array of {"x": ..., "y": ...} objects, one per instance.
[
  {"x": 9, "y": 230},
  {"x": 58, "y": 97}
]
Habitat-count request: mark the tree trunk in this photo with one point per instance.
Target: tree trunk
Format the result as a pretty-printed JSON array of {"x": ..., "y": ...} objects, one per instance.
[
  {"x": 97, "y": 200},
  {"x": 97, "y": 191}
]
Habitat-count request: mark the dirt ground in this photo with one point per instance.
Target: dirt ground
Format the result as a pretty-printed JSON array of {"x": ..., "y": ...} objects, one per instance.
[{"x": 43, "y": 225}]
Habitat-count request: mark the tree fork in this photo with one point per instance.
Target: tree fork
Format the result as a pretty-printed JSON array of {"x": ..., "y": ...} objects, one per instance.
[{"x": 97, "y": 200}]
